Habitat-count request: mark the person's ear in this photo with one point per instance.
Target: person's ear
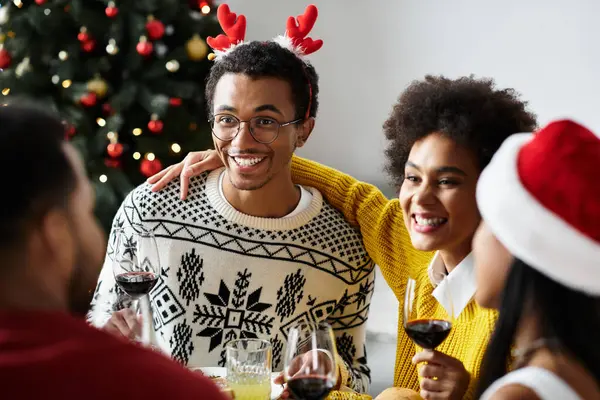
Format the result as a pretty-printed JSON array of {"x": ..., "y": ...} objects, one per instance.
[{"x": 305, "y": 130}]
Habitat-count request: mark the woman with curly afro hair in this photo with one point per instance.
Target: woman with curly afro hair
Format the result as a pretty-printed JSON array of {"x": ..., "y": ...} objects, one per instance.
[{"x": 441, "y": 134}]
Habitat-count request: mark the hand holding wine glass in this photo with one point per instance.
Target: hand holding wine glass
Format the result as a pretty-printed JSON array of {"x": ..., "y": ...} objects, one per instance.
[
  {"x": 310, "y": 368},
  {"x": 426, "y": 331},
  {"x": 442, "y": 376},
  {"x": 136, "y": 266}
]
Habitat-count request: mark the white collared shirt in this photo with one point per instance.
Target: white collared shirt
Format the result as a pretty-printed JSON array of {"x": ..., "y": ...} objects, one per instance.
[{"x": 459, "y": 285}]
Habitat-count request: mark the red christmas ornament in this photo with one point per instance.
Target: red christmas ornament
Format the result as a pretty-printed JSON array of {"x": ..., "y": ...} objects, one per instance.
[
  {"x": 144, "y": 47},
  {"x": 175, "y": 101},
  {"x": 155, "y": 28},
  {"x": 83, "y": 36},
  {"x": 88, "y": 46},
  {"x": 114, "y": 150},
  {"x": 70, "y": 131},
  {"x": 107, "y": 109},
  {"x": 89, "y": 100},
  {"x": 111, "y": 11},
  {"x": 40, "y": 2},
  {"x": 112, "y": 163},
  {"x": 149, "y": 168},
  {"x": 5, "y": 59},
  {"x": 155, "y": 126}
]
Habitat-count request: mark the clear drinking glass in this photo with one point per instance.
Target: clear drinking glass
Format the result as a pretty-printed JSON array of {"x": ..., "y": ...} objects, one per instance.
[
  {"x": 136, "y": 267},
  {"x": 249, "y": 364},
  {"x": 310, "y": 369}
]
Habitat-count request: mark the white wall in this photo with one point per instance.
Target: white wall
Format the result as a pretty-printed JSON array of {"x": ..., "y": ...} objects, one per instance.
[{"x": 549, "y": 50}]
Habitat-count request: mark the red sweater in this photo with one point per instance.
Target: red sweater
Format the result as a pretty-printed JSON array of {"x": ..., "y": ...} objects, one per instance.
[{"x": 47, "y": 355}]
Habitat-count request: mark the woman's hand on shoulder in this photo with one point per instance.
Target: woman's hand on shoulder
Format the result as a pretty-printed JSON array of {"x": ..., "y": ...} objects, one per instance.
[{"x": 193, "y": 164}]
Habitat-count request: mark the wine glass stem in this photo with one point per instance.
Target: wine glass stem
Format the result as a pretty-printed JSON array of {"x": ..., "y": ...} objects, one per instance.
[{"x": 144, "y": 310}]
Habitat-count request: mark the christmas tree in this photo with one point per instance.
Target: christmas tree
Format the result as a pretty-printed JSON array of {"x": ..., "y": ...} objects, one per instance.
[{"x": 127, "y": 79}]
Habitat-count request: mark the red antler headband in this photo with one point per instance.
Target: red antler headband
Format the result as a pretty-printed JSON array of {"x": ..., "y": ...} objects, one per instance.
[
  {"x": 234, "y": 28},
  {"x": 295, "y": 38}
]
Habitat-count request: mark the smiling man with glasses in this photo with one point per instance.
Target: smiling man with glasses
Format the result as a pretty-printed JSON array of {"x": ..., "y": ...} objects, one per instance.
[{"x": 249, "y": 254}]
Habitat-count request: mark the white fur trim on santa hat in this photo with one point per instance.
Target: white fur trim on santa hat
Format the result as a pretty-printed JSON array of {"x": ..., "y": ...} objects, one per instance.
[{"x": 530, "y": 231}]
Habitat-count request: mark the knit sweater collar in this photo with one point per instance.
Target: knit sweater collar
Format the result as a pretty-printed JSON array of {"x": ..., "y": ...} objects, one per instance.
[{"x": 274, "y": 224}]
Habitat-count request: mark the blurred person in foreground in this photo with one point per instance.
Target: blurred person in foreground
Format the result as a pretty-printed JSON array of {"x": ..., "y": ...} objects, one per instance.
[
  {"x": 537, "y": 255},
  {"x": 51, "y": 250},
  {"x": 442, "y": 132}
]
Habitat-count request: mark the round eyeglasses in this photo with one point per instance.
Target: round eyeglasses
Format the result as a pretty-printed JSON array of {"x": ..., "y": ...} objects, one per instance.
[{"x": 263, "y": 129}]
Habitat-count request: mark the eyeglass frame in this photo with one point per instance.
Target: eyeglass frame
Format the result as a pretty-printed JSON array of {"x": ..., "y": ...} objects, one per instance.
[{"x": 211, "y": 120}]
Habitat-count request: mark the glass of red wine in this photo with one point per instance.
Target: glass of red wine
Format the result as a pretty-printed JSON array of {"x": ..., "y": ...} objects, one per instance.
[
  {"x": 136, "y": 267},
  {"x": 424, "y": 330},
  {"x": 310, "y": 361}
]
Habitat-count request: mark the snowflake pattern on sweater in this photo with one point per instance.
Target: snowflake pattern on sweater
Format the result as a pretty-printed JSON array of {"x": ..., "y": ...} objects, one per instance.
[{"x": 225, "y": 275}]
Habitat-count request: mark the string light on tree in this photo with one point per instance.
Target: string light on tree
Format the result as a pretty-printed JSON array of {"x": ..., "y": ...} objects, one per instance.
[
  {"x": 111, "y": 11},
  {"x": 101, "y": 122},
  {"x": 175, "y": 101},
  {"x": 103, "y": 178},
  {"x": 175, "y": 148},
  {"x": 144, "y": 47},
  {"x": 63, "y": 55},
  {"x": 137, "y": 132},
  {"x": 155, "y": 28},
  {"x": 5, "y": 91},
  {"x": 18, "y": 3},
  {"x": 204, "y": 7},
  {"x": 137, "y": 155},
  {"x": 67, "y": 83},
  {"x": 155, "y": 125},
  {"x": 172, "y": 66},
  {"x": 111, "y": 47}
]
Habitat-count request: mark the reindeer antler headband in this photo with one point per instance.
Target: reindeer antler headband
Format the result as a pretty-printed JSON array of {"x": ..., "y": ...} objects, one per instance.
[{"x": 295, "y": 38}]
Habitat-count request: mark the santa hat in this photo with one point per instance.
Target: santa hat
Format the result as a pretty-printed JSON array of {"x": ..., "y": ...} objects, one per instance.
[{"x": 540, "y": 196}]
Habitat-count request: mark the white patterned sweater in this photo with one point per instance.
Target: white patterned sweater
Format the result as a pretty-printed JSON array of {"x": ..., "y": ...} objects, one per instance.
[{"x": 226, "y": 275}]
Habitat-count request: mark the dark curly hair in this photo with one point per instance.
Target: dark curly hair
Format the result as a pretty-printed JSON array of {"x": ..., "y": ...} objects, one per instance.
[
  {"x": 268, "y": 59},
  {"x": 470, "y": 111}
]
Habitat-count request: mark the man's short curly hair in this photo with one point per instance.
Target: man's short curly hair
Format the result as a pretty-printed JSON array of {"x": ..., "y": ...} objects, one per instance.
[
  {"x": 470, "y": 111},
  {"x": 269, "y": 60}
]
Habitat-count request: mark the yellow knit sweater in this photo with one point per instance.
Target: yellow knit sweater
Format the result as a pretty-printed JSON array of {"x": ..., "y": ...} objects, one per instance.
[{"x": 388, "y": 243}]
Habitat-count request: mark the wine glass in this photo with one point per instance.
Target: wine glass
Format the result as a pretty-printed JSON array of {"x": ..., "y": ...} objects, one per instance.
[
  {"x": 136, "y": 267},
  {"x": 425, "y": 330},
  {"x": 310, "y": 361}
]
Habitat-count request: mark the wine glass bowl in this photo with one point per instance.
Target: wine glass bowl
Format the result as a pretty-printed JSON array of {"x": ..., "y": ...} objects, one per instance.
[
  {"x": 136, "y": 268},
  {"x": 310, "y": 368},
  {"x": 426, "y": 331},
  {"x": 136, "y": 263}
]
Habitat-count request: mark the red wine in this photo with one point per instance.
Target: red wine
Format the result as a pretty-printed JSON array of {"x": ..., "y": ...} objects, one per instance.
[
  {"x": 310, "y": 387},
  {"x": 137, "y": 284},
  {"x": 428, "y": 333}
]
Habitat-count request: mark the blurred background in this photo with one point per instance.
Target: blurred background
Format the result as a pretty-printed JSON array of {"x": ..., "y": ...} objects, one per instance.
[{"x": 112, "y": 87}]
